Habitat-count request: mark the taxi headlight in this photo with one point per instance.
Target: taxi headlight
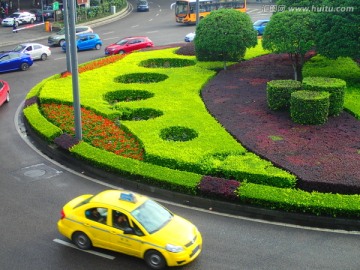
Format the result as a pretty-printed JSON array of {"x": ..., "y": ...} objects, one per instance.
[{"x": 173, "y": 248}]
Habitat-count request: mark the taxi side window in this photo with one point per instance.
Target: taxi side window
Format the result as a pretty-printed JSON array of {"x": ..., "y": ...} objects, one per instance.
[
  {"x": 120, "y": 220},
  {"x": 97, "y": 214}
]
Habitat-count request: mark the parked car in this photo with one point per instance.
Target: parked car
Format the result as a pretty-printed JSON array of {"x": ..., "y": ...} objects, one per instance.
[
  {"x": 10, "y": 61},
  {"x": 189, "y": 37},
  {"x": 142, "y": 5},
  {"x": 48, "y": 11},
  {"x": 40, "y": 14},
  {"x": 260, "y": 25},
  {"x": 133, "y": 224},
  {"x": 35, "y": 50},
  {"x": 87, "y": 41},
  {"x": 4, "y": 92},
  {"x": 128, "y": 44},
  {"x": 58, "y": 39},
  {"x": 20, "y": 18}
]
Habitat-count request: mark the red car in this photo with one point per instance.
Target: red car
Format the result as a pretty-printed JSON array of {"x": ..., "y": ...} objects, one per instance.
[
  {"x": 128, "y": 44},
  {"x": 4, "y": 92}
]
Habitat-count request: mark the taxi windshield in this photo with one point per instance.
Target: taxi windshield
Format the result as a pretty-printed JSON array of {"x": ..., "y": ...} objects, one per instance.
[{"x": 152, "y": 216}]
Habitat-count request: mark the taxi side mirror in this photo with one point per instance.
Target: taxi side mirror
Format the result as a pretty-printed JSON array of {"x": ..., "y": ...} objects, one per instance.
[{"x": 129, "y": 231}]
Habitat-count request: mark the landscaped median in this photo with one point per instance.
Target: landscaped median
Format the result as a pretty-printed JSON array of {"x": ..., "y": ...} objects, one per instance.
[{"x": 150, "y": 102}]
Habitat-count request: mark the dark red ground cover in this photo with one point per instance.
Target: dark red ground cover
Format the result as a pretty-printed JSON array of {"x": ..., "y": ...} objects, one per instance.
[{"x": 325, "y": 158}]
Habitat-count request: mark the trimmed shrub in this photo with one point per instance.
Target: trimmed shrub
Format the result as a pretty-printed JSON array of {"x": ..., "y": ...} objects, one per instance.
[
  {"x": 294, "y": 200},
  {"x": 214, "y": 187},
  {"x": 40, "y": 124},
  {"x": 126, "y": 95},
  {"x": 343, "y": 68},
  {"x": 65, "y": 141},
  {"x": 177, "y": 133},
  {"x": 138, "y": 114},
  {"x": 279, "y": 92},
  {"x": 336, "y": 88},
  {"x": 309, "y": 107},
  {"x": 166, "y": 63},
  {"x": 141, "y": 78}
]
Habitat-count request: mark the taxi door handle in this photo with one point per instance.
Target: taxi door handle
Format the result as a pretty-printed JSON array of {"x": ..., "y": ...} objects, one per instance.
[
  {"x": 113, "y": 232},
  {"x": 87, "y": 224}
]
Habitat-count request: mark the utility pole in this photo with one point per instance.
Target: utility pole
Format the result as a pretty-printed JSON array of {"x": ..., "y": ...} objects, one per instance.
[{"x": 71, "y": 47}]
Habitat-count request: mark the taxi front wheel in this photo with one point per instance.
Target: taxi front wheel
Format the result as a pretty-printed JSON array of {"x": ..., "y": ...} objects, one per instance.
[
  {"x": 155, "y": 260},
  {"x": 81, "y": 240}
]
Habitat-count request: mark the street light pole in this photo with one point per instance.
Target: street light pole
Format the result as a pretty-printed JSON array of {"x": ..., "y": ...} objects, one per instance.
[{"x": 71, "y": 46}]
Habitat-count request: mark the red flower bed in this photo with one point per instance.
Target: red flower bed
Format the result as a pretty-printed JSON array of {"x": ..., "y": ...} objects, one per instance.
[
  {"x": 97, "y": 130},
  {"x": 325, "y": 158}
]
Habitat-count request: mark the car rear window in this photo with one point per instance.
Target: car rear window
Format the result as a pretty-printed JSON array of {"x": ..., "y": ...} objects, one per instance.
[{"x": 84, "y": 202}]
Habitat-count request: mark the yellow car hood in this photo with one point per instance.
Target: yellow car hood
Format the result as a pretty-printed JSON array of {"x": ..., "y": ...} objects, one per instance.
[{"x": 178, "y": 231}]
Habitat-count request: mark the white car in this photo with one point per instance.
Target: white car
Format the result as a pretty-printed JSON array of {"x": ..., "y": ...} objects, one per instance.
[
  {"x": 35, "y": 50},
  {"x": 190, "y": 37},
  {"x": 20, "y": 18}
]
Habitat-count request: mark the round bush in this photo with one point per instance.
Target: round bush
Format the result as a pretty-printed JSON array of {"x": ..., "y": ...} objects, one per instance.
[
  {"x": 141, "y": 78},
  {"x": 127, "y": 95},
  {"x": 166, "y": 63},
  {"x": 177, "y": 133},
  {"x": 279, "y": 92},
  {"x": 309, "y": 107},
  {"x": 336, "y": 88},
  {"x": 138, "y": 114}
]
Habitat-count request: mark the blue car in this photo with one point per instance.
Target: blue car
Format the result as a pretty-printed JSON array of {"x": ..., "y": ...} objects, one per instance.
[
  {"x": 10, "y": 61},
  {"x": 87, "y": 41},
  {"x": 259, "y": 26}
]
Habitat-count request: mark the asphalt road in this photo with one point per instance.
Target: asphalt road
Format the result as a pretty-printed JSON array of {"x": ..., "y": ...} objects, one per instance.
[{"x": 34, "y": 187}]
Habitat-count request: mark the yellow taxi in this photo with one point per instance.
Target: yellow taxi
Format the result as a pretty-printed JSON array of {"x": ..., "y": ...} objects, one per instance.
[{"x": 132, "y": 224}]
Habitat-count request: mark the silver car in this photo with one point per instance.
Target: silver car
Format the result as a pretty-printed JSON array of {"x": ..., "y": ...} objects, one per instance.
[
  {"x": 35, "y": 50},
  {"x": 58, "y": 39}
]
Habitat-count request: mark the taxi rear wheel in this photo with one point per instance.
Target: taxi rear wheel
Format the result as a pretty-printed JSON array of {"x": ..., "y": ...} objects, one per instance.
[
  {"x": 81, "y": 240},
  {"x": 155, "y": 260}
]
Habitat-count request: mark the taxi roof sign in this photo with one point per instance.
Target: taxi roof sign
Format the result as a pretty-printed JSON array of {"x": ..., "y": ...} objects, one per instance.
[{"x": 129, "y": 197}]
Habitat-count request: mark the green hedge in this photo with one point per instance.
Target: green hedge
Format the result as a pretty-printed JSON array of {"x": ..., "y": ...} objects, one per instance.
[
  {"x": 309, "y": 107},
  {"x": 279, "y": 92},
  {"x": 40, "y": 124},
  {"x": 336, "y": 88},
  {"x": 181, "y": 181},
  {"x": 343, "y": 68},
  {"x": 294, "y": 200}
]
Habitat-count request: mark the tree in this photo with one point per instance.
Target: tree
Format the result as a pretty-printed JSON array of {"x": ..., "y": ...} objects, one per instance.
[
  {"x": 291, "y": 32},
  {"x": 224, "y": 35},
  {"x": 338, "y": 30}
]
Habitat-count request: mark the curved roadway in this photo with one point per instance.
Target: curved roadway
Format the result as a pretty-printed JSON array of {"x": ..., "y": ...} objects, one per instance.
[{"x": 33, "y": 189}]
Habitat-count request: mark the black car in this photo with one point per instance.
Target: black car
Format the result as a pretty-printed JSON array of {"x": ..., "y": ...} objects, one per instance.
[
  {"x": 39, "y": 14},
  {"x": 142, "y": 5}
]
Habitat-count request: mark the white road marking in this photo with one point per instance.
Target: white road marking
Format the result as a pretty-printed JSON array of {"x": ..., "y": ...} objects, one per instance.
[
  {"x": 150, "y": 32},
  {"x": 135, "y": 26},
  {"x": 108, "y": 33},
  {"x": 60, "y": 58},
  {"x": 88, "y": 251},
  {"x": 150, "y": 20},
  {"x": 111, "y": 38}
]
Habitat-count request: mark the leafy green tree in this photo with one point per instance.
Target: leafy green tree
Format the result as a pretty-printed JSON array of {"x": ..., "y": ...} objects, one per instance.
[
  {"x": 338, "y": 30},
  {"x": 293, "y": 33},
  {"x": 224, "y": 35}
]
